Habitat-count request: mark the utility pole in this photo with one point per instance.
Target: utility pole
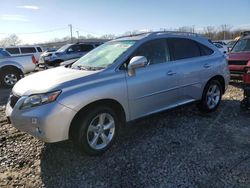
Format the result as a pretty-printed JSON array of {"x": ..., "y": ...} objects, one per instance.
[
  {"x": 71, "y": 37},
  {"x": 77, "y": 35}
]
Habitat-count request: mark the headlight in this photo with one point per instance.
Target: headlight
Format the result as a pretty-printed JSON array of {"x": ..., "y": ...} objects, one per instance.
[{"x": 39, "y": 99}]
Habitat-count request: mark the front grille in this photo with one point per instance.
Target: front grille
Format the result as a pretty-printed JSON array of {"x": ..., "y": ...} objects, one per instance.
[
  {"x": 13, "y": 100},
  {"x": 237, "y": 62}
]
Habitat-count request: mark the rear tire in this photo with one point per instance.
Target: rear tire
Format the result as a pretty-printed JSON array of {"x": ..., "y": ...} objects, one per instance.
[
  {"x": 211, "y": 97},
  {"x": 95, "y": 131},
  {"x": 9, "y": 77}
]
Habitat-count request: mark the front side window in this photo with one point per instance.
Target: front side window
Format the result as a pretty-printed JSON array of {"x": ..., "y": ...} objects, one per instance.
[
  {"x": 74, "y": 48},
  {"x": 26, "y": 50},
  {"x": 13, "y": 50},
  {"x": 184, "y": 48},
  {"x": 86, "y": 47},
  {"x": 155, "y": 51},
  {"x": 242, "y": 45},
  {"x": 104, "y": 55}
]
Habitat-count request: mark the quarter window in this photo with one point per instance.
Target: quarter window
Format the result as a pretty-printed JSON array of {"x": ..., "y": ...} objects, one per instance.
[{"x": 155, "y": 51}]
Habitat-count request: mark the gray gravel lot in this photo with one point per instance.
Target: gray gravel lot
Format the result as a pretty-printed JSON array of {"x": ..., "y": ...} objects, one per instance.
[{"x": 178, "y": 148}]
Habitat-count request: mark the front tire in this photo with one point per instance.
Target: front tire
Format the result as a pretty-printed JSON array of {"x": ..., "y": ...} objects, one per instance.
[
  {"x": 96, "y": 131},
  {"x": 211, "y": 97}
]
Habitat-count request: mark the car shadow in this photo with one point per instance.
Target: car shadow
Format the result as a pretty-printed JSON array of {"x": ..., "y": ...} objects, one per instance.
[
  {"x": 178, "y": 147},
  {"x": 4, "y": 95}
]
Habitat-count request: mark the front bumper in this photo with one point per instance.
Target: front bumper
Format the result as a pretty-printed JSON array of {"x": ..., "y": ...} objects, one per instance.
[{"x": 49, "y": 122}]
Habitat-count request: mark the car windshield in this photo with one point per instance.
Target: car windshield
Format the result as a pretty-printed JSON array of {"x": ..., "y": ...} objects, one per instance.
[
  {"x": 104, "y": 55},
  {"x": 242, "y": 45},
  {"x": 63, "y": 48}
]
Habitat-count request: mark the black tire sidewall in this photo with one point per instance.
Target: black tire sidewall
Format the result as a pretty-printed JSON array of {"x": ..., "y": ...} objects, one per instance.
[
  {"x": 203, "y": 104},
  {"x": 6, "y": 72},
  {"x": 81, "y": 133}
]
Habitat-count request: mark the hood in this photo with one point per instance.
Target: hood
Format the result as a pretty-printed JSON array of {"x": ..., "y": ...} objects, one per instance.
[
  {"x": 48, "y": 80},
  {"x": 242, "y": 56}
]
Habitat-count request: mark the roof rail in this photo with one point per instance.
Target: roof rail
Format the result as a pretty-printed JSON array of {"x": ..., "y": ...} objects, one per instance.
[
  {"x": 176, "y": 33},
  {"x": 133, "y": 35},
  {"x": 150, "y": 33}
]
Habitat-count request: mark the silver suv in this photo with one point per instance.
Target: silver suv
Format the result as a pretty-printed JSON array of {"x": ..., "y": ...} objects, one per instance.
[{"x": 120, "y": 81}]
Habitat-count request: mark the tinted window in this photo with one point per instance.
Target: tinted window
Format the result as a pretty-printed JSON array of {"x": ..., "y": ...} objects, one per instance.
[
  {"x": 3, "y": 54},
  {"x": 86, "y": 47},
  {"x": 39, "y": 49},
  {"x": 13, "y": 50},
  {"x": 205, "y": 50},
  {"x": 184, "y": 48},
  {"x": 26, "y": 50},
  {"x": 155, "y": 51},
  {"x": 75, "y": 48}
]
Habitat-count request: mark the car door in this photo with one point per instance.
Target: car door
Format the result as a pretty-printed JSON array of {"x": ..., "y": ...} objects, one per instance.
[
  {"x": 73, "y": 52},
  {"x": 191, "y": 65},
  {"x": 154, "y": 87}
]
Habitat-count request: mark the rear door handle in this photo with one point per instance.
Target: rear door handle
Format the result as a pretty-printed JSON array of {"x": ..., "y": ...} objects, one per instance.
[
  {"x": 170, "y": 73},
  {"x": 206, "y": 65}
]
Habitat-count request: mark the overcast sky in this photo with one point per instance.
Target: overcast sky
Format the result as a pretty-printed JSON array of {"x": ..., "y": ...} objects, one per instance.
[{"x": 42, "y": 20}]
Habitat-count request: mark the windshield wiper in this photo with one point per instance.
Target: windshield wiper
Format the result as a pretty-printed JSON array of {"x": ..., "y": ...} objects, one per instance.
[{"x": 82, "y": 67}]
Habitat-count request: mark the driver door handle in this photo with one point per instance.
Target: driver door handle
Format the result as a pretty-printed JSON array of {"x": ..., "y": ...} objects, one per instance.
[
  {"x": 206, "y": 65},
  {"x": 171, "y": 73}
]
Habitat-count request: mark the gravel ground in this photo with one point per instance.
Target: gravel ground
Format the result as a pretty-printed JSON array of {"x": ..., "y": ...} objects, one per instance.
[{"x": 178, "y": 148}]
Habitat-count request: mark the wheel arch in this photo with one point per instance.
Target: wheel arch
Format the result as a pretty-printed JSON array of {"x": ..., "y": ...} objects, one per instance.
[
  {"x": 221, "y": 80},
  {"x": 113, "y": 104},
  {"x": 10, "y": 67}
]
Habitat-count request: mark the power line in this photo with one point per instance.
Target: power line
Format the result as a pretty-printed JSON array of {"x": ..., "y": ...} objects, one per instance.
[{"x": 47, "y": 31}]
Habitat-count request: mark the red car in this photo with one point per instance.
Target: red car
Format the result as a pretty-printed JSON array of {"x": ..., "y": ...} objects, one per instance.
[{"x": 239, "y": 57}]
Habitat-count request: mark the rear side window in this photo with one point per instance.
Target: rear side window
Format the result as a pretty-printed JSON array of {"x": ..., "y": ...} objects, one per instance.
[
  {"x": 13, "y": 50},
  {"x": 86, "y": 47},
  {"x": 205, "y": 50},
  {"x": 26, "y": 50},
  {"x": 155, "y": 51},
  {"x": 39, "y": 49},
  {"x": 184, "y": 48}
]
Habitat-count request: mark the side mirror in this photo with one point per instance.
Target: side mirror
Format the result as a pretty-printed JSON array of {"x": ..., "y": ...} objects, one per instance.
[{"x": 135, "y": 63}]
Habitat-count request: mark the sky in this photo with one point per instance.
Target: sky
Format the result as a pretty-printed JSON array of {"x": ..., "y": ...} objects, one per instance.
[{"x": 37, "y": 21}]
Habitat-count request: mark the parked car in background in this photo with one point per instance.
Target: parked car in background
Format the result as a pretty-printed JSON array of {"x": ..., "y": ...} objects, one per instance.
[
  {"x": 239, "y": 57},
  {"x": 120, "y": 81},
  {"x": 66, "y": 52},
  {"x": 220, "y": 42},
  {"x": 13, "y": 68},
  {"x": 36, "y": 51},
  {"x": 222, "y": 48},
  {"x": 230, "y": 44}
]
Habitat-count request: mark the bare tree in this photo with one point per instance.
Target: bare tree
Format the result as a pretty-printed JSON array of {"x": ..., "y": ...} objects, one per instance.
[
  {"x": 11, "y": 40},
  {"x": 209, "y": 32}
]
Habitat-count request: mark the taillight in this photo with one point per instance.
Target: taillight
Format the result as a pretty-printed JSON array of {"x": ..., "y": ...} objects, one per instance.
[{"x": 33, "y": 59}]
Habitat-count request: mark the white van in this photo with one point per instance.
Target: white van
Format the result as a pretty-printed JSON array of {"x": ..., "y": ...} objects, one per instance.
[{"x": 25, "y": 50}]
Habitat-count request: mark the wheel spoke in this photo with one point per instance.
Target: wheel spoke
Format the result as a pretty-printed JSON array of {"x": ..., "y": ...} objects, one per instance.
[
  {"x": 102, "y": 119},
  {"x": 104, "y": 139},
  {"x": 93, "y": 128},
  {"x": 214, "y": 87},
  {"x": 110, "y": 125},
  {"x": 94, "y": 141}
]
